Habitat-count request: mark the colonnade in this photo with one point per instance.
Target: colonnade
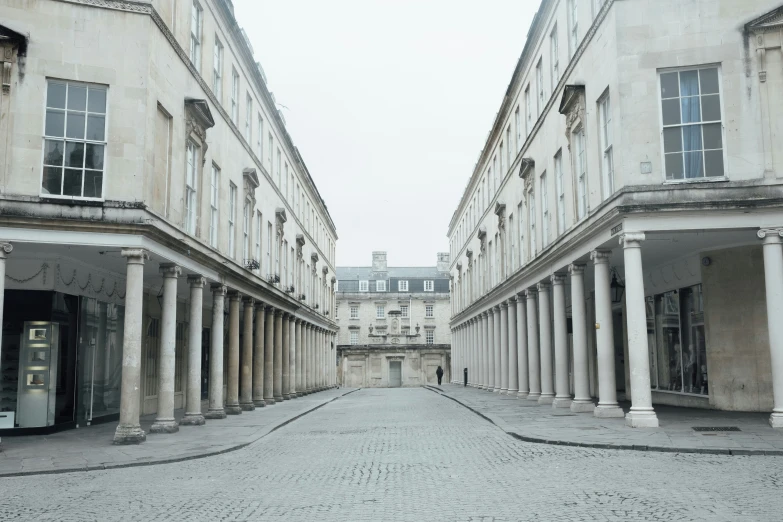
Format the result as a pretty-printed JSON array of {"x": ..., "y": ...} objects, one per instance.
[
  {"x": 281, "y": 356},
  {"x": 519, "y": 345}
]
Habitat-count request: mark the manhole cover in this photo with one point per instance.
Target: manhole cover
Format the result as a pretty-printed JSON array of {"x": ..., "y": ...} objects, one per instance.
[{"x": 716, "y": 428}]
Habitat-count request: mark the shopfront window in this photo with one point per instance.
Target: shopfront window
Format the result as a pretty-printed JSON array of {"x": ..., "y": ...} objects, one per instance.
[{"x": 677, "y": 341}]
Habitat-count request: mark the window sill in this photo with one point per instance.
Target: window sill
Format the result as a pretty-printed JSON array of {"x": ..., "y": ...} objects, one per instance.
[
  {"x": 71, "y": 199},
  {"x": 716, "y": 179}
]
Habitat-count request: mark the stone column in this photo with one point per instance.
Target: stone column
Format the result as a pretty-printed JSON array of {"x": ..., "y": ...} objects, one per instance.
[
  {"x": 286, "y": 358},
  {"x": 496, "y": 348},
  {"x": 773, "y": 283},
  {"x": 164, "y": 419},
  {"x": 232, "y": 386},
  {"x": 503, "y": 347},
  {"x": 642, "y": 414},
  {"x": 318, "y": 354},
  {"x": 522, "y": 357},
  {"x": 321, "y": 357},
  {"x": 533, "y": 355},
  {"x": 486, "y": 371},
  {"x": 467, "y": 357},
  {"x": 562, "y": 383},
  {"x": 5, "y": 249},
  {"x": 513, "y": 356},
  {"x": 258, "y": 358},
  {"x": 306, "y": 358},
  {"x": 292, "y": 355},
  {"x": 472, "y": 353},
  {"x": 216, "y": 410},
  {"x": 545, "y": 338},
  {"x": 193, "y": 415},
  {"x": 278, "y": 376},
  {"x": 582, "y": 401},
  {"x": 607, "y": 386},
  {"x": 269, "y": 356},
  {"x": 491, "y": 349},
  {"x": 246, "y": 392},
  {"x": 299, "y": 349},
  {"x": 128, "y": 430}
]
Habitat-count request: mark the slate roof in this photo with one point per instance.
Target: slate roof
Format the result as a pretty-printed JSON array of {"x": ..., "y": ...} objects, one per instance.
[{"x": 363, "y": 273}]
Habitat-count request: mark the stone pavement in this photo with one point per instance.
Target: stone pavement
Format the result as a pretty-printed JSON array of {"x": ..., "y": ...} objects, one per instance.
[
  {"x": 408, "y": 455},
  {"x": 529, "y": 421},
  {"x": 90, "y": 448}
]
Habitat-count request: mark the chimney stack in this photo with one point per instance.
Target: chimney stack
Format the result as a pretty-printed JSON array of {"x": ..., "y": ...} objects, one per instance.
[
  {"x": 443, "y": 262},
  {"x": 379, "y": 262}
]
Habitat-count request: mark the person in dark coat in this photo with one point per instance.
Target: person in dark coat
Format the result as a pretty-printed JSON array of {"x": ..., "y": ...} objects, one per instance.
[{"x": 439, "y": 373}]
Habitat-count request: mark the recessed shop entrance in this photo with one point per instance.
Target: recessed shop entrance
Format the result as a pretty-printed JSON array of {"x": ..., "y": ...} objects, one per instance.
[{"x": 395, "y": 374}]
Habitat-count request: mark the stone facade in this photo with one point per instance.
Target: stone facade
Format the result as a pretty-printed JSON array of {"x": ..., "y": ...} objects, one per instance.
[
  {"x": 404, "y": 318},
  {"x": 138, "y": 178},
  {"x": 619, "y": 207}
]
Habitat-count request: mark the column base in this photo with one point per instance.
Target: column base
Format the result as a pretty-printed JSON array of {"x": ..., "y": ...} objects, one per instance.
[
  {"x": 278, "y": 398},
  {"x": 546, "y": 398},
  {"x": 561, "y": 402},
  {"x": 503, "y": 391},
  {"x": 608, "y": 411},
  {"x": 582, "y": 406},
  {"x": 269, "y": 401},
  {"x": 533, "y": 396},
  {"x": 260, "y": 403},
  {"x": 192, "y": 419},
  {"x": 496, "y": 390},
  {"x": 164, "y": 426},
  {"x": 776, "y": 419},
  {"x": 512, "y": 393},
  {"x": 522, "y": 394},
  {"x": 233, "y": 409},
  {"x": 295, "y": 395},
  {"x": 247, "y": 406},
  {"x": 215, "y": 413},
  {"x": 286, "y": 397},
  {"x": 641, "y": 419},
  {"x": 129, "y": 434}
]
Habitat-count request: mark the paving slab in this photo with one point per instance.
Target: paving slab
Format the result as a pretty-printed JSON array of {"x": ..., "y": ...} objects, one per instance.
[
  {"x": 91, "y": 447},
  {"x": 529, "y": 421}
]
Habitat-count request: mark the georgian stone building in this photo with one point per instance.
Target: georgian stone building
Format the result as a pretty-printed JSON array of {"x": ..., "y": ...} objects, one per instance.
[
  {"x": 162, "y": 239},
  {"x": 393, "y": 324},
  {"x": 620, "y": 236}
]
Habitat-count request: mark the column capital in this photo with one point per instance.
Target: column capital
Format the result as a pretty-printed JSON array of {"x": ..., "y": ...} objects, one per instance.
[
  {"x": 136, "y": 256},
  {"x": 278, "y": 312},
  {"x": 512, "y": 300},
  {"x": 170, "y": 270},
  {"x": 530, "y": 293},
  {"x": 632, "y": 239},
  {"x": 491, "y": 311},
  {"x": 247, "y": 300},
  {"x": 576, "y": 269},
  {"x": 503, "y": 305},
  {"x": 558, "y": 279},
  {"x": 543, "y": 287},
  {"x": 484, "y": 313},
  {"x": 233, "y": 295},
  {"x": 298, "y": 320},
  {"x": 600, "y": 257},
  {"x": 196, "y": 281},
  {"x": 770, "y": 235},
  {"x": 5, "y": 249},
  {"x": 260, "y": 306},
  {"x": 218, "y": 289}
]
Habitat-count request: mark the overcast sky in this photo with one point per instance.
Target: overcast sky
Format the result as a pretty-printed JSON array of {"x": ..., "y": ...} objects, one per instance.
[{"x": 390, "y": 103}]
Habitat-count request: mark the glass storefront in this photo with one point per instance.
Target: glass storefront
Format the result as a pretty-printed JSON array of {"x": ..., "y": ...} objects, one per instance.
[{"x": 678, "y": 350}]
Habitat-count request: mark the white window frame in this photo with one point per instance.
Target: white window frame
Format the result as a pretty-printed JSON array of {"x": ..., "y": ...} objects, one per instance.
[
  {"x": 380, "y": 285},
  {"x": 196, "y": 28},
  {"x": 580, "y": 172},
  {"x": 573, "y": 27},
  {"x": 560, "y": 190},
  {"x": 544, "y": 211},
  {"x": 217, "y": 70},
  {"x": 509, "y": 156},
  {"x": 528, "y": 112},
  {"x": 521, "y": 213},
  {"x": 259, "y": 237},
  {"x": 380, "y": 311},
  {"x": 354, "y": 338},
  {"x": 260, "y": 138},
  {"x": 232, "y": 217},
  {"x": 191, "y": 187},
  {"x": 429, "y": 336},
  {"x": 354, "y": 312},
  {"x": 402, "y": 286},
  {"x": 429, "y": 310},
  {"x": 540, "y": 85},
  {"x": 605, "y": 135},
  {"x": 249, "y": 119},
  {"x": 554, "y": 57},
  {"x": 234, "y": 97},
  {"x": 246, "y": 212},
  {"x": 518, "y": 127},
  {"x": 364, "y": 286},
  {"x": 404, "y": 311},
  {"x": 214, "y": 206},
  {"x": 429, "y": 285},
  {"x": 531, "y": 201}
]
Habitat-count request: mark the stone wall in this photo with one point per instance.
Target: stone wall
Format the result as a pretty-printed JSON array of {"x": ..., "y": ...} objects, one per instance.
[{"x": 368, "y": 366}]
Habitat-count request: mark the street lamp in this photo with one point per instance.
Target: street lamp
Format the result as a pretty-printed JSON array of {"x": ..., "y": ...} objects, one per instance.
[{"x": 617, "y": 288}]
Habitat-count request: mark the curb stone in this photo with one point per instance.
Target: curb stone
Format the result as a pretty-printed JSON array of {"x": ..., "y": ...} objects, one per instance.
[{"x": 626, "y": 447}]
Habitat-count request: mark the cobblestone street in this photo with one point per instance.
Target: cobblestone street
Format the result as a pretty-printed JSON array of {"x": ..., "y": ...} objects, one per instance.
[{"x": 408, "y": 454}]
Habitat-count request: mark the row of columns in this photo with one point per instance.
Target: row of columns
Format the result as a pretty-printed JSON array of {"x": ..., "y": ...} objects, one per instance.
[
  {"x": 508, "y": 348},
  {"x": 282, "y": 356}
]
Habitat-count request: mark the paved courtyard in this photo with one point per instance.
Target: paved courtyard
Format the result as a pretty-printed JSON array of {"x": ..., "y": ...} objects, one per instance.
[{"x": 408, "y": 454}]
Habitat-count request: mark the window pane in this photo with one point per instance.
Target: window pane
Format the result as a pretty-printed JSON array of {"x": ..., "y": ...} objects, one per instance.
[
  {"x": 55, "y": 95},
  {"x": 670, "y": 85},
  {"x": 710, "y": 106},
  {"x": 75, "y": 126},
  {"x": 714, "y": 162},
  {"x": 94, "y": 157},
  {"x": 93, "y": 183},
  {"x": 712, "y": 136},
  {"x": 55, "y": 123},
  {"x": 694, "y": 167},
  {"x": 95, "y": 127},
  {"x": 74, "y": 154},
  {"x": 53, "y": 152},
  {"x": 691, "y": 137},
  {"x": 73, "y": 183},
  {"x": 671, "y": 112},
  {"x": 689, "y": 83},
  {"x": 77, "y": 97},
  {"x": 690, "y": 110},
  {"x": 674, "y": 168},
  {"x": 96, "y": 101},
  {"x": 672, "y": 139},
  {"x": 52, "y": 176},
  {"x": 709, "y": 81}
]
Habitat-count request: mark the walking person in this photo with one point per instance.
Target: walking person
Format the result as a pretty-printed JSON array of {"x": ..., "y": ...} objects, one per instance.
[{"x": 439, "y": 373}]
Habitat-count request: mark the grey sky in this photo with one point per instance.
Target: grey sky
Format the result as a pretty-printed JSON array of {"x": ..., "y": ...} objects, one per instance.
[{"x": 390, "y": 103}]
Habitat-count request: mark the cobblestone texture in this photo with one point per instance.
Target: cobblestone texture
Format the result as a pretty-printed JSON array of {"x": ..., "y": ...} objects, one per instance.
[{"x": 408, "y": 454}]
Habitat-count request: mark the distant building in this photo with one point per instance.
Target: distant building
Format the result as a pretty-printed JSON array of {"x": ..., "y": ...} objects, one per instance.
[{"x": 394, "y": 324}]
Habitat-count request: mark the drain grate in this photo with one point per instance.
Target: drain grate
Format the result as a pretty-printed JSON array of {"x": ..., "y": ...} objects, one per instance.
[{"x": 716, "y": 428}]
